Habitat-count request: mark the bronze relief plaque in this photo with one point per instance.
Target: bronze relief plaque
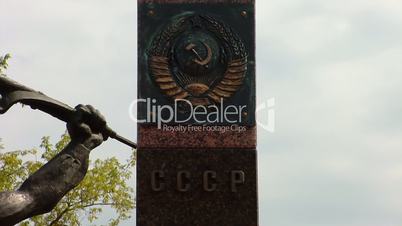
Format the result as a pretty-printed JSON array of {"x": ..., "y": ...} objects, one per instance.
[
  {"x": 196, "y": 53},
  {"x": 198, "y": 58}
]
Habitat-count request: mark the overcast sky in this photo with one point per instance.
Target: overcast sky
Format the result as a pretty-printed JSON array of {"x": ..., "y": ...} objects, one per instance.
[{"x": 334, "y": 68}]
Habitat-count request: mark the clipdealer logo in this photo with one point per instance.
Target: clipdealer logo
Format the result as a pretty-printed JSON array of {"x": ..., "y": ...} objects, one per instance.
[{"x": 202, "y": 117}]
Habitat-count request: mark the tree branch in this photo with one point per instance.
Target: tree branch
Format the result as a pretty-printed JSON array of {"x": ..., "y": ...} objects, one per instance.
[
  {"x": 97, "y": 204},
  {"x": 60, "y": 216}
]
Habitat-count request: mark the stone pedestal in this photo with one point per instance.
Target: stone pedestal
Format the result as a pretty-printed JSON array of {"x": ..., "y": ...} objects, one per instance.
[
  {"x": 202, "y": 187},
  {"x": 196, "y": 133}
]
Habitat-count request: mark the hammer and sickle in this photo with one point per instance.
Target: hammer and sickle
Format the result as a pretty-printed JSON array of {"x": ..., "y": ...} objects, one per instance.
[{"x": 200, "y": 61}]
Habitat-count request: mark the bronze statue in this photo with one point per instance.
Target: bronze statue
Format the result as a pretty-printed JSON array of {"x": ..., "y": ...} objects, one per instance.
[{"x": 41, "y": 192}]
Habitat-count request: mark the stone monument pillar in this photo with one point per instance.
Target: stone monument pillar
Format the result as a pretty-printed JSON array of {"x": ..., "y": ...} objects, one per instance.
[{"x": 196, "y": 112}]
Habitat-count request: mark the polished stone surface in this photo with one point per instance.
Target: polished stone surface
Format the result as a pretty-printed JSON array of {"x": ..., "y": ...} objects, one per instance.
[
  {"x": 200, "y": 187},
  {"x": 240, "y": 137}
]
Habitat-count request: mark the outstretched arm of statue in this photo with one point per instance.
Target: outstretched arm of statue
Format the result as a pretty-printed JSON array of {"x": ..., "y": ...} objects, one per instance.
[{"x": 41, "y": 192}]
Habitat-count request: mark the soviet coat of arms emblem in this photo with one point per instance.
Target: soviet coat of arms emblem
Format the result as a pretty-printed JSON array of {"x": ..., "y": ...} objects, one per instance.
[{"x": 198, "y": 58}]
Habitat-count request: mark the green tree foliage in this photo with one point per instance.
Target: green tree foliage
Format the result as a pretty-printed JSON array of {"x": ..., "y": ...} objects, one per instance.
[
  {"x": 104, "y": 185},
  {"x": 3, "y": 63}
]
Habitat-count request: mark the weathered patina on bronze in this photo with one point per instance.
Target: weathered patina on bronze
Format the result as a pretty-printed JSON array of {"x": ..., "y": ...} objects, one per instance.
[
  {"x": 202, "y": 51},
  {"x": 198, "y": 58},
  {"x": 11, "y": 92},
  {"x": 41, "y": 192}
]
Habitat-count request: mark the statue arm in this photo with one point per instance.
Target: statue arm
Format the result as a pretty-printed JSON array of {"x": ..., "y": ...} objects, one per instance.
[{"x": 41, "y": 192}]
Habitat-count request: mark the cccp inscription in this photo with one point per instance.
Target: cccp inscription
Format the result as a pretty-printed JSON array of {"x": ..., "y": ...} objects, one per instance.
[{"x": 210, "y": 180}]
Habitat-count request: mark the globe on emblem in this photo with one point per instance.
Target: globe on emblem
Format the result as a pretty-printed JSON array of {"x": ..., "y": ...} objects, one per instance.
[{"x": 197, "y": 54}]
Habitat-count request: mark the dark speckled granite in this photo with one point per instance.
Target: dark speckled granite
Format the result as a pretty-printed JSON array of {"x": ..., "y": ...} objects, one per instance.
[
  {"x": 152, "y": 137},
  {"x": 197, "y": 207},
  {"x": 198, "y": 173}
]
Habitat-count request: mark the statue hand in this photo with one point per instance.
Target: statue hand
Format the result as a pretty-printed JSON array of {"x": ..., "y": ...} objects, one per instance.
[{"x": 87, "y": 127}]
